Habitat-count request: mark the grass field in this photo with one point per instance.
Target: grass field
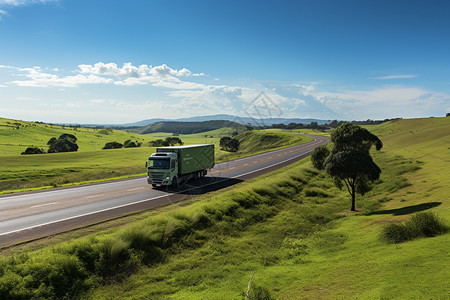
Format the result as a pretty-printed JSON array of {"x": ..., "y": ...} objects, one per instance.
[
  {"x": 91, "y": 163},
  {"x": 291, "y": 227}
]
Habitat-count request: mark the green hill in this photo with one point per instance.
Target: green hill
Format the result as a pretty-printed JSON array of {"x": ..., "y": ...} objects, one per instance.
[
  {"x": 16, "y": 136},
  {"x": 186, "y": 127}
]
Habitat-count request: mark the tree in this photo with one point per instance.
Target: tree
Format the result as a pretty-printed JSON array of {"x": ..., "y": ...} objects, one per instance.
[
  {"x": 52, "y": 141},
  {"x": 349, "y": 136},
  {"x": 113, "y": 145},
  {"x": 350, "y": 163},
  {"x": 174, "y": 141},
  {"x": 33, "y": 150},
  {"x": 229, "y": 144},
  {"x": 65, "y": 143},
  {"x": 131, "y": 144},
  {"x": 319, "y": 156}
]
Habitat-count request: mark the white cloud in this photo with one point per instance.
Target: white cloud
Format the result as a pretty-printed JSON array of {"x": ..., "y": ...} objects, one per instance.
[
  {"x": 27, "y": 99},
  {"x": 405, "y": 76},
  {"x": 24, "y": 2},
  {"x": 128, "y": 70},
  {"x": 384, "y": 102},
  {"x": 38, "y": 78}
]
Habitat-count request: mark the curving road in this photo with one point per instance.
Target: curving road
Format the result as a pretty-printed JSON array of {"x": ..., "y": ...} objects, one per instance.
[{"x": 33, "y": 215}]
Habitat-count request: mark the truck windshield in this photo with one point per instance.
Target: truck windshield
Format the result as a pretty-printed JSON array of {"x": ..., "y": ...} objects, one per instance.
[{"x": 159, "y": 163}]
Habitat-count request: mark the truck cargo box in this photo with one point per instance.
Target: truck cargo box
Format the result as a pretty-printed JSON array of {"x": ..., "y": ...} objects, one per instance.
[{"x": 192, "y": 158}]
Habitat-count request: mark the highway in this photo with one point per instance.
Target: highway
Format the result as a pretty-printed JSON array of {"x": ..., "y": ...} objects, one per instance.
[{"x": 32, "y": 215}]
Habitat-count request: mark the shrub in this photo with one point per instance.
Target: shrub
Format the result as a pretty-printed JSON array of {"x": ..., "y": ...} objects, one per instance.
[
  {"x": 423, "y": 224},
  {"x": 319, "y": 156},
  {"x": 33, "y": 150},
  {"x": 131, "y": 144},
  {"x": 113, "y": 145},
  {"x": 259, "y": 293}
]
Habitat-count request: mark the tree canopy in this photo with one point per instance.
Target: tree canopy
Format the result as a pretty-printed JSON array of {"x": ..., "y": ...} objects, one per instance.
[
  {"x": 65, "y": 143},
  {"x": 350, "y": 136},
  {"x": 229, "y": 144}
]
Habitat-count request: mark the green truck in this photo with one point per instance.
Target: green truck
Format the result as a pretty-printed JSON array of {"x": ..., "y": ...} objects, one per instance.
[{"x": 170, "y": 166}]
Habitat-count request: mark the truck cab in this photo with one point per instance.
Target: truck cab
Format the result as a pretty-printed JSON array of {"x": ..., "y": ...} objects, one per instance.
[{"x": 162, "y": 169}]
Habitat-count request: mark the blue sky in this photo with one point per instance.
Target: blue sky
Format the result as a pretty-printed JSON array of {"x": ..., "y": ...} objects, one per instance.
[{"x": 104, "y": 61}]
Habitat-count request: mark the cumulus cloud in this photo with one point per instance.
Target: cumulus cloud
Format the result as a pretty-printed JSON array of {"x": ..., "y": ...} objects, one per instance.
[
  {"x": 128, "y": 70},
  {"x": 107, "y": 73}
]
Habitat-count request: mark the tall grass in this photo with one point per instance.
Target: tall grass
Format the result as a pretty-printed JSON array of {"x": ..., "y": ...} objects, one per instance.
[{"x": 422, "y": 224}]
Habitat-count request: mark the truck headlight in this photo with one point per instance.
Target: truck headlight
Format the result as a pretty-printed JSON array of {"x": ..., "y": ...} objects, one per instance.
[{"x": 167, "y": 177}]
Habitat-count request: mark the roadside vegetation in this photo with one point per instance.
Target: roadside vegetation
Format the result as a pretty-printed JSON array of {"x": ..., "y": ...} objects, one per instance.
[{"x": 291, "y": 228}]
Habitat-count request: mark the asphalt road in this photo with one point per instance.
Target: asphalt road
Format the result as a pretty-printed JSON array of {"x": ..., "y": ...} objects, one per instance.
[{"x": 32, "y": 215}]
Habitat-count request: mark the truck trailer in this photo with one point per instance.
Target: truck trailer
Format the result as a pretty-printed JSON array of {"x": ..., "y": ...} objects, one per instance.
[{"x": 170, "y": 166}]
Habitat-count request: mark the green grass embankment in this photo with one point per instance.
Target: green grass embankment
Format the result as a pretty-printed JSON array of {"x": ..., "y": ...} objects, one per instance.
[{"x": 291, "y": 227}]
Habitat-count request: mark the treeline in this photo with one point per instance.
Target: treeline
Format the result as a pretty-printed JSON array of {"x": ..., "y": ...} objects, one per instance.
[
  {"x": 169, "y": 141},
  {"x": 332, "y": 124}
]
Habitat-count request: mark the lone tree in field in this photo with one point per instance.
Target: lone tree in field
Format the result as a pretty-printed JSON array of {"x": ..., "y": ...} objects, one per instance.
[{"x": 350, "y": 163}]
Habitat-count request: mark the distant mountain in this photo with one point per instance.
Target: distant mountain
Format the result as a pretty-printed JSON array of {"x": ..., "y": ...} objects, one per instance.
[
  {"x": 224, "y": 117},
  {"x": 184, "y": 127}
]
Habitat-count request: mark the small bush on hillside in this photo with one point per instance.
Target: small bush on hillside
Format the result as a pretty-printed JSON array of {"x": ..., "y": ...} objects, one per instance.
[
  {"x": 423, "y": 224},
  {"x": 33, "y": 150},
  {"x": 131, "y": 144},
  {"x": 113, "y": 145}
]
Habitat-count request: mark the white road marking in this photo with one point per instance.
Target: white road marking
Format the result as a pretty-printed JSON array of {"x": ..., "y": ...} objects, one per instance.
[
  {"x": 245, "y": 165},
  {"x": 139, "y": 188},
  {"x": 93, "y": 196},
  {"x": 41, "y": 205}
]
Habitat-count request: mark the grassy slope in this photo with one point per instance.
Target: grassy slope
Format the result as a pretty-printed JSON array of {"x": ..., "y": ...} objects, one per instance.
[
  {"x": 364, "y": 267},
  {"x": 286, "y": 227},
  {"x": 90, "y": 163},
  {"x": 15, "y": 139},
  {"x": 345, "y": 260}
]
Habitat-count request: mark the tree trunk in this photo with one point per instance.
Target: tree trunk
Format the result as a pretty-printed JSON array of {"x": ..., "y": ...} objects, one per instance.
[
  {"x": 353, "y": 186},
  {"x": 353, "y": 201}
]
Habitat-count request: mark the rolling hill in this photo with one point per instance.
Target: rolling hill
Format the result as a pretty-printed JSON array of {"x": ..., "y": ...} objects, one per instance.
[{"x": 186, "y": 127}]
